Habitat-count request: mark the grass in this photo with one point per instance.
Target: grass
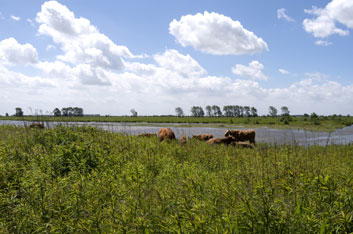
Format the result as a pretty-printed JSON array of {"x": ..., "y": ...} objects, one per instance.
[
  {"x": 323, "y": 123},
  {"x": 85, "y": 180}
]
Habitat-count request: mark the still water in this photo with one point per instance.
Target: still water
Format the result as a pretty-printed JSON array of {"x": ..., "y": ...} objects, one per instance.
[{"x": 293, "y": 136}]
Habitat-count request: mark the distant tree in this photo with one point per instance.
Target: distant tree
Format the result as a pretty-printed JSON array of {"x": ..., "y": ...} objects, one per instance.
[
  {"x": 285, "y": 111},
  {"x": 64, "y": 111},
  {"x": 77, "y": 111},
  {"x": 314, "y": 118},
  {"x": 133, "y": 112},
  {"x": 241, "y": 111},
  {"x": 272, "y": 111},
  {"x": 197, "y": 111},
  {"x": 179, "y": 112},
  {"x": 247, "y": 111},
  {"x": 7, "y": 114},
  {"x": 209, "y": 111},
  {"x": 228, "y": 111},
  {"x": 216, "y": 111},
  {"x": 253, "y": 111},
  {"x": 57, "y": 112},
  {"x": 19, "y": 112}
]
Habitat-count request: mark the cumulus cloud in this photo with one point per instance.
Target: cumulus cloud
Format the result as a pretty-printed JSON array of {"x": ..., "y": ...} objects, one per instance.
[
  {"x": 80, "y": 41},
  {"x": 283, "y": 71},
  {"x": 324, "y": 24},
  {"x": 12, "y": 53},
  {"x": 281, "y": 14},
  {"x": 214, "y": 33},
  {"x": 15, "y": 18},
  {"x": 50, "y": 47},
  {"x": 252, "y": 71},
  {"x": 185, "y": 65},
  {"x": 323, "y": 43},
  {"x": 30, "y": 22}
]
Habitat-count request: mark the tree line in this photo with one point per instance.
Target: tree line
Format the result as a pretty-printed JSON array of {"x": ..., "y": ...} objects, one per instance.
[
  {"x": 230, "y": 111},
  {"x": 65, "y": 111}
]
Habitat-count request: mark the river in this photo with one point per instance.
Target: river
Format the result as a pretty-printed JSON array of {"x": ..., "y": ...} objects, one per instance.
[{"x": 263, "y": 134}]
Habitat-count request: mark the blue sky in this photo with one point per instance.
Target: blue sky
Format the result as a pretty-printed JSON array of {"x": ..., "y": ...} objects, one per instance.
[{"x": 111, "y": 56}]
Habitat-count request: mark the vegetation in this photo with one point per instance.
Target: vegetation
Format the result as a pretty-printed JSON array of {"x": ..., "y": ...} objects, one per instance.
[
  {"x": 311, "y": 123},
  {"x": 85, "y": 180}
]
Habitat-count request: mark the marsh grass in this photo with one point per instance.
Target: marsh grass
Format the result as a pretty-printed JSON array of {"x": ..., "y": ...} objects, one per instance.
[{"x": 86, "y": 180}]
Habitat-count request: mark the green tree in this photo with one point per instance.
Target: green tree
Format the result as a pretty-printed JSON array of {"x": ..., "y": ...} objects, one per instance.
[
  {"x": 247, "y": 111},
  {"x": 285, "y": 111},
  {"x": 209, "y": 111},
  {"x": 57, "y": 112},
  {"x": 253, "y": 111},
  {"x": 216, "y": 111},
  {"x": 197, "y": 111},
  {"x": 133, "y": 112},
  {"x": 19, "y": 112},
  {"x": 272, "y": 111},
  {"x": 179, "y": 111}
]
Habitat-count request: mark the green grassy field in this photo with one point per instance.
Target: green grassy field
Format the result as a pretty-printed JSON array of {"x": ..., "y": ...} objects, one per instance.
[
  {"x": 323, "y": 123},
  {"x": 84, "y": 180}
]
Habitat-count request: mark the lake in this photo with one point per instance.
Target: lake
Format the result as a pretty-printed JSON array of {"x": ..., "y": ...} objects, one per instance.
[{"x": 263, "y": 134}]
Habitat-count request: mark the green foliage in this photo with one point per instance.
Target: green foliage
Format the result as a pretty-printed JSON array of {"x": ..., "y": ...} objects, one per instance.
[{"x": 84, "y": 180}]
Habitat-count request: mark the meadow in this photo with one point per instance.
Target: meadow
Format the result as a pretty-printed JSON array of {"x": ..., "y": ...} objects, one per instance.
[
  {"x": 321, "y": 123},
  {"x": 85, "y": 180}
]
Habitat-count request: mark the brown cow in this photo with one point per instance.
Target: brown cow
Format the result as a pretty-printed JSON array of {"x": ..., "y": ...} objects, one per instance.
[
  {"x": 242, "y": 135},
  {"x": 203, "y": 137},
  {"x": 147, "y": 135},
  {"x": 223, "y": 140},
  {"x": 165, "y": 134},
  {"x": 183, "y": 140},
  {"x": 243, "y": 144},
  {"x": 36, "y": 125}
]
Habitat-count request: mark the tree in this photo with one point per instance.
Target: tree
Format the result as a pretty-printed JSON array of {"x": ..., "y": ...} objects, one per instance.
[
  {"x": 64, "y": 111},
  {"x": 285, "y": 111},
  {"x": 241, "y": 111},
  {"x": 227, "y": 110},
  {"x": 133, "y": 112},
  {"x": 272, "y": 111},
  {"x": 77, "y": 111},
  {"x": 179, "y": 112},
  {"x": 247, "y": 111},
  {"x": 216, "y": 111},
  {"x": 57, "y": 112},
  {"x": 7, "y": 114},
  {"x": 197, "y": 111},
  {"x": 253, "y": 111},
  {"x": 19, "y": 112},
  {"x": 209, "y": 111}
]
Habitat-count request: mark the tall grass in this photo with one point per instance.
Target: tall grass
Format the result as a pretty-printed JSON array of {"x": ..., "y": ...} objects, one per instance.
[{"x": 85, "y": 180}]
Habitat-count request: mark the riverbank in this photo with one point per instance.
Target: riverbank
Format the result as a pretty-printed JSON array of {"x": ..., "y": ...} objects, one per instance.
[{"x": 321, "y": 124}]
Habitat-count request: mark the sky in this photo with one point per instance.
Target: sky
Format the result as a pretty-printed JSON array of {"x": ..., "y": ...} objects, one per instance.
[{"x": 109, "y": 57}]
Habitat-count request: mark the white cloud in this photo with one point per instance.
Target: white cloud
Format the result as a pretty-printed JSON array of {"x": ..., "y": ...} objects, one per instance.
[
  {"x": 80, "y": 41},
  {"x": 283, "y": 71},
  {"x": 185, "y": 65},
  {"x": 12, "y": 53},
  {"x": 89, "y": 75},
  {"x": 324, "y": 25},
  {"x": 50, "y": 47},
  {"x": 281, "y": 14},
  {"x": 252, "y": 71},
  {"x": 15, "y": 18},
  {"x": 214, "y": 33},
  {"x": 30, "y": 22},
  {"x": 323, "y": 43}
]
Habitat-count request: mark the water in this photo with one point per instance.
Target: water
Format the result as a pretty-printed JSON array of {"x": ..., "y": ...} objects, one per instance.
[{"x": 301, "y": 137}]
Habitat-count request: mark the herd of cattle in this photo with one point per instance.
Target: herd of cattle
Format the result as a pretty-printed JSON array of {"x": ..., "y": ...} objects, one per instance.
[{"x": 241, "y": 138}]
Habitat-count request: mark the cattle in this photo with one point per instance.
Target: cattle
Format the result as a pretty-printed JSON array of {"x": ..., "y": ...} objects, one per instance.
[
  {"x": 203, "y": 137},
  {"x": 166, "y": 134},
  {"x": 183, "y": 140},
  {"x": 147, "y": 135},
  {"x": 242, "y": 135},
  {"x": 243, "y": 144},
  {"x": 223, "y": 140},
  {"x": 37, "y": 125}
]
